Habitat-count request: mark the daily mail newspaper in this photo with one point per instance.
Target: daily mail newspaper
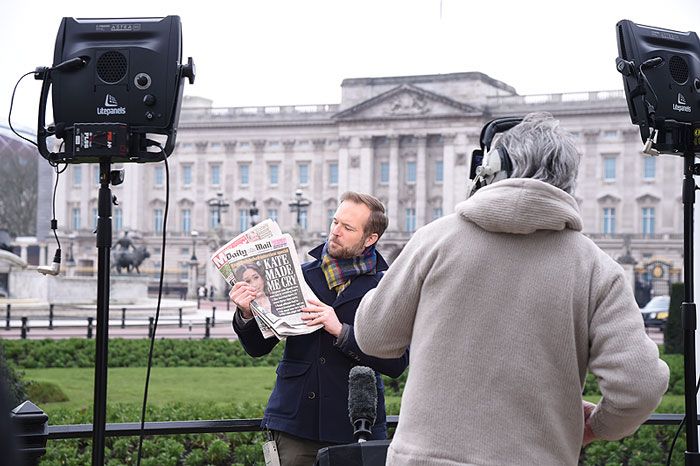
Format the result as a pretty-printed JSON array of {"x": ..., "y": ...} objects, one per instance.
[
  {"x": 272, "y": 263},
  {"x": 265, "y": 229}
]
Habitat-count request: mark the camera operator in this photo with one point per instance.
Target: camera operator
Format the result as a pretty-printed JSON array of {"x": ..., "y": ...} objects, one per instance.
[{"x": 506, "y": 305}]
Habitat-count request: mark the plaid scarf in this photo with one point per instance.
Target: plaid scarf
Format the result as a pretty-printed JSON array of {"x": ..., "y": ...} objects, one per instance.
[{"x": 339, "y": 272}]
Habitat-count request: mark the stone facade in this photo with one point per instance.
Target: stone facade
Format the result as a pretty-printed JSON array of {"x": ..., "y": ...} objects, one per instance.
[{"x": 407, "y": 140}]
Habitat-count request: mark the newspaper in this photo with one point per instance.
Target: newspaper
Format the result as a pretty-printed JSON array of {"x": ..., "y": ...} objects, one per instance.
[
  {"x": 272, "y": 265},
  {"x": 265, "y": 229}
]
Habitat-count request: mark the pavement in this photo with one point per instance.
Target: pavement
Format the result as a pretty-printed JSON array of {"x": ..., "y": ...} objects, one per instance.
[{"x": 193, "y": 324}]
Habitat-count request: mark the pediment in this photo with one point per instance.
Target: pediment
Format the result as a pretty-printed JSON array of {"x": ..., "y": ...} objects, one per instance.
[
  {"x": 608, "y": 198},
  {"x": 648, "y": 198},
  {"x": 407, "y": 101}
]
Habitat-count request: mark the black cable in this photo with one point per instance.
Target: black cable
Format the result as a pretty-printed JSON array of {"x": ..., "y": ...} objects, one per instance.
[
  {"x": 160, "y": 294},
  {"x": 54, "y": 223},
  {"x": 12, "y": 101},
  {"x": 680, "y": 427}
]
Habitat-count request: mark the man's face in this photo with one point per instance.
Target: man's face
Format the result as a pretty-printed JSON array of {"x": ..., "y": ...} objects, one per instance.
[{"x": 347, "y": 235}]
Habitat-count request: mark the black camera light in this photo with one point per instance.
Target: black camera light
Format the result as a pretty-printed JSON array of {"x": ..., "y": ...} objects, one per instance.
[
  {"x": 113, "y": 82},
  {"x": 661, "y": 73}
]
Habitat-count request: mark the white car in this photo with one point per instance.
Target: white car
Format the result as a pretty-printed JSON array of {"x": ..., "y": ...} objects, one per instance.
[{"x": 655, "y": 313}]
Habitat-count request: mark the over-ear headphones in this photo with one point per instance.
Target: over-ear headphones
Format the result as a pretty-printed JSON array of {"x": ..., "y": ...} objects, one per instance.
[{"x": 493, "y": 165}]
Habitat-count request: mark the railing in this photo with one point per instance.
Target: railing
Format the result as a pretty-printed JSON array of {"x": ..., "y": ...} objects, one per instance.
[
  {"x": 141, "y": 326},
  {"x": 613, "y": 96},
  {"x": 276, "y": 112},
  {"x": 32, "y": 424}
]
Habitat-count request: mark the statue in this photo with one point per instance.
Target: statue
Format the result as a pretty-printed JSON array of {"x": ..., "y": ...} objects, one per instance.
[{"x": 128, "y": 256}]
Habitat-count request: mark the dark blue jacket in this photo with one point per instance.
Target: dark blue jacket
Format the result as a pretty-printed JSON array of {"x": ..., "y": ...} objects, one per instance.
[{"x": 310, "y": 398}]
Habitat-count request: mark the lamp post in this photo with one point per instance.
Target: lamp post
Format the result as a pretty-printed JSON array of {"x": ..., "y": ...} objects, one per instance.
[
  {"x": 194, "y": 234},
  {"x": 70, "y": 260},
  {"x": 253, "y": 212},
  {"x": 297, "y": 204},
  {"x": 218, "y": 205},
  {"x": 194, "y": 268}
]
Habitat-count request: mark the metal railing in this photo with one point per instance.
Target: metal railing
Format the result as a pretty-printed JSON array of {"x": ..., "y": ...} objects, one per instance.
[
  {"x": 34, "y": 430},
  {"x": 138, "y": 324}
]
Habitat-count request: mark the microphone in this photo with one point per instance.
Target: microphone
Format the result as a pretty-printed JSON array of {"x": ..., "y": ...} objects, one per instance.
[
  {"x": 55, "y": 267},
  {"x": 362, "y": 401}
]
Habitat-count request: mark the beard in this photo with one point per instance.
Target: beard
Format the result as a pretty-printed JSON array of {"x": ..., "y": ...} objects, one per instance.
[{"x": 337, "y": 251}]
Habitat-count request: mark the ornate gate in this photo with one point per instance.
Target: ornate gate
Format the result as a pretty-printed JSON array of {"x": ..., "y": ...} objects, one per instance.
[{"x": 654, "y": 279}]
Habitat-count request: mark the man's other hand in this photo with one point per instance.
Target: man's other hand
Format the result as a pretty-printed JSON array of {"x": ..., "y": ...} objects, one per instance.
[
  {"x": 320, "y": 313},
  {"x": 588, "y": 435}
]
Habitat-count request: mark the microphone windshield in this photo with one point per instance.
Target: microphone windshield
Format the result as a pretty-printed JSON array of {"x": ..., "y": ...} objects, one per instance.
[{"x": 362, "y": 394}]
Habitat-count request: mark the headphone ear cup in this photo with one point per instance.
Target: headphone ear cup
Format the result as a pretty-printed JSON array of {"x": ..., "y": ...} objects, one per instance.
[{"x": 506, "y": 163}]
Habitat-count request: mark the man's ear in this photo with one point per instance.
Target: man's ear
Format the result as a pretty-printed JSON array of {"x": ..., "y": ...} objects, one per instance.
[{"x": 371, "y": 239}]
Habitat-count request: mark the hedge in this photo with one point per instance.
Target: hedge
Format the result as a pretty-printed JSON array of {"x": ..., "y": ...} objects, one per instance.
[
  {"x": 74, "y": 352},
  {"x": 650, "y": 445}
]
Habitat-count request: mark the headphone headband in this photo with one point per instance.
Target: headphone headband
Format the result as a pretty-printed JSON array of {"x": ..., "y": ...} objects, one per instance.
[{"x": 493, "y": 127}]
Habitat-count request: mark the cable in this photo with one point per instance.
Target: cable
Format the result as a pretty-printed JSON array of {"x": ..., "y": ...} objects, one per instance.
[
  {"x": 12, "y": 101},
  {"x": 54, "y": 222},
  {"x": 680, "y": 427},
  {"x": 160, "y": 294}
]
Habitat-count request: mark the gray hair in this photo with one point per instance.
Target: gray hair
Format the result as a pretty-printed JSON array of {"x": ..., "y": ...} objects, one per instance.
[{"x": 541, "y": 150}]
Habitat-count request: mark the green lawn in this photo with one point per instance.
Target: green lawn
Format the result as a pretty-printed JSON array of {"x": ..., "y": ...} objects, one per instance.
[
  {"x": 167, "y": 385},
  {"x": 209, "y": 385}
]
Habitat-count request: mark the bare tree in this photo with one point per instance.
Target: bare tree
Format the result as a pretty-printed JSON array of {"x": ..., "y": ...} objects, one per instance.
[{"x": 18, "y": 187}]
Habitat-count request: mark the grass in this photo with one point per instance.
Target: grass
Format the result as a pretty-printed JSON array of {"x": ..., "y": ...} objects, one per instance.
[
  {"x": 210, "y": 385},
  {"x": 167, "y": 385}
]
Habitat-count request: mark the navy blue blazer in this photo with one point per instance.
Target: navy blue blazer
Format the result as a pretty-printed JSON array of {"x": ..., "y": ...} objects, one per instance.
[{"x": 310, "y": 398}]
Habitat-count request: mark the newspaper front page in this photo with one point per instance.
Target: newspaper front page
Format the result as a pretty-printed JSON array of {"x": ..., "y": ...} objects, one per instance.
[
  {"x": 265, "y": 229},
  {"x": 275, "y": 262},
  {"x": 267, "y": 259}
]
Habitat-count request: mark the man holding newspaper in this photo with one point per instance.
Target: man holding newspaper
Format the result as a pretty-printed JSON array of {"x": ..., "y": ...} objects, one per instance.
[{"x": 308, "y": 407}]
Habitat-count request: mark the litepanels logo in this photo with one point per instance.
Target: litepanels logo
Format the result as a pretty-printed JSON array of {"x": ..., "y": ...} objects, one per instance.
[
  {"x": 681, "y": 105},
  {"x": 111, "y": 107},
  {"x": 111, "y": 101}
]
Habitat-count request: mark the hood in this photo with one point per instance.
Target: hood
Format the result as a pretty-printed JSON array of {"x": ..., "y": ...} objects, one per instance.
[{"x": 521, "y": 206}]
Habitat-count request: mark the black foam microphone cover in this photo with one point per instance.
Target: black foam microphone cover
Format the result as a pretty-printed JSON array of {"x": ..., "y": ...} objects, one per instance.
[{"x": 362, "y": 400}]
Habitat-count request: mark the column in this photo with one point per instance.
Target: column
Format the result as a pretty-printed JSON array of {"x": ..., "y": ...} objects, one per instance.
[
  {"x": 366, "y": 165},
  {"x": 393, "y": 206},
  {"x": 287, "y": 185},
  {"x": 421, "y": 179},
  {"x": 448, "y": 173},
  {"x": 257, "y": 174},
  {"x": 319, "y": 173},
  {"x": 132, "y": 209},
  {"x": 343, "y": 164}
]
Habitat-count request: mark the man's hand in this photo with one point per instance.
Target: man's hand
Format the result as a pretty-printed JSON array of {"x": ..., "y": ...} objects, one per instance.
[
  {"x": 242, "y": 294},
  {"x": 588, "y": 434},
  {"x": 320, "y": 313}
]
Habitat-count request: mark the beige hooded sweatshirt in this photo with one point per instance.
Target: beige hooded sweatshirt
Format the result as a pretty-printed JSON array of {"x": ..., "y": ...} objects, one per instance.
[{"x": 505, "y": 305}]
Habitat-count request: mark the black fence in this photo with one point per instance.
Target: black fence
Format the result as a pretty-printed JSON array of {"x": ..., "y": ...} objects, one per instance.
[
  {"x": 142, "y": 328},
  {"x": 32, "y": 425}
]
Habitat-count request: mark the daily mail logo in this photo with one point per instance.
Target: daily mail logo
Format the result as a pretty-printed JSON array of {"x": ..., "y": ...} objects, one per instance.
[
  {"x": 681, "y": 105},
  {"x": 111, "y": 107}
]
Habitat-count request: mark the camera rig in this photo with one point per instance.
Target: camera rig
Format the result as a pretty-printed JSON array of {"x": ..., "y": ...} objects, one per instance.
[{"x": 661, "y": 73}]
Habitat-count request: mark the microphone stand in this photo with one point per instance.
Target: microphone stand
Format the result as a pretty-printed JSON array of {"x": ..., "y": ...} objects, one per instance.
[
  {"x": 104, "y": 246},
  {"x": 688, "y": 311}
]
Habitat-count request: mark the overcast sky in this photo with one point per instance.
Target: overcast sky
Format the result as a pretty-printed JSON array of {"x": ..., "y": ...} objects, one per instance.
[{"x": 284, "y": 52}]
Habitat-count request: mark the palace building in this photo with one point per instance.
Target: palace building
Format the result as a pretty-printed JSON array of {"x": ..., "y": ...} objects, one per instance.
[{"x": 408, "y": 140}]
